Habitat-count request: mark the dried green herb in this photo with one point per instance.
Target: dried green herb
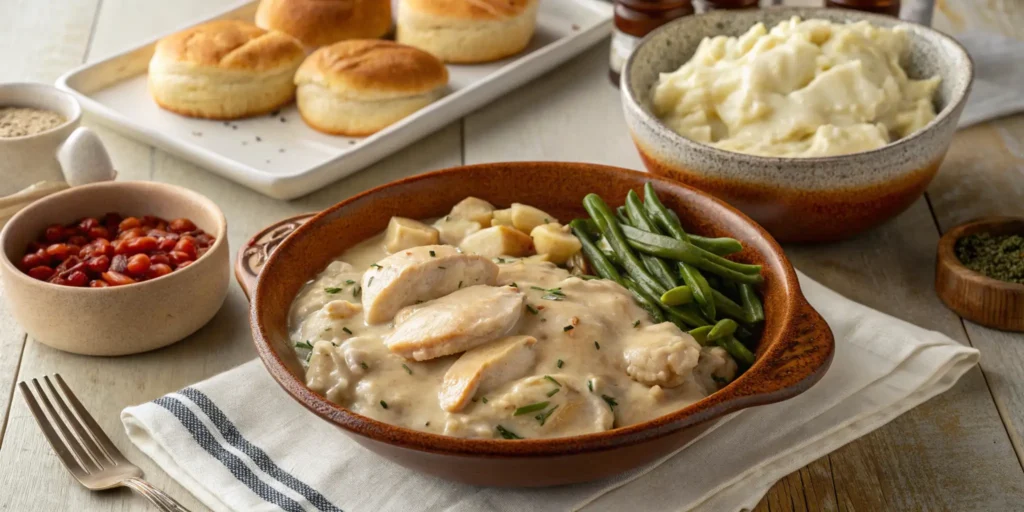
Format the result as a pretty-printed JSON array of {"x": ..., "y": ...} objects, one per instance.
[{"x": 997, "y": 256}]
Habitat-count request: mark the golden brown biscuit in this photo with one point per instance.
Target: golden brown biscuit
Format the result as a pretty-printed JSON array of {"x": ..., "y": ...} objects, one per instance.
[
  {"x": 224, "y": 70},
  {"x": 359, "y": 87},
  {"x": 467, "y": 31},
  {"x": 322, "y": 22}
]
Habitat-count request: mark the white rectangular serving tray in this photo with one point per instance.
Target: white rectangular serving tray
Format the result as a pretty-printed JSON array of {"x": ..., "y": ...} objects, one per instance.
[{"x": 278, "y": 155}]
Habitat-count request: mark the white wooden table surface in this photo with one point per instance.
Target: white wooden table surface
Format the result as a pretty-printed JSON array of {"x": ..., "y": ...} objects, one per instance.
[{"x": 960, "y": 451}]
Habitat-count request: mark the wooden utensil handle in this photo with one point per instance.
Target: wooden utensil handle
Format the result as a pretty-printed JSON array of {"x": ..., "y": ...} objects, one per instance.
[{"x": 254, "y": 254}]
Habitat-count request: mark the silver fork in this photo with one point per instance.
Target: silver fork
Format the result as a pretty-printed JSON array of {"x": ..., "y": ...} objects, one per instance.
[{"x": 82, "y": 446}]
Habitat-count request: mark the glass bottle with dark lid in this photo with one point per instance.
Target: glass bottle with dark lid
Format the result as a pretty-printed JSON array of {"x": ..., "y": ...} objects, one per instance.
[
  {"x": 634, "y": 19},
  {"x": 890, "y": 7}
]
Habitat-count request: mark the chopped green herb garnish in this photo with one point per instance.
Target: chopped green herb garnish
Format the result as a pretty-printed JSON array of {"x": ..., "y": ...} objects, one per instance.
[
  {"x": 721, "y": 381},
  {"x": 304, "y": 344},
  {"x": 597, "y": 345},
  {"x": 527, "y": 409},
  {"x": 500, "y": 260},
  {"x": 610, "y": 401},
  {"x": 550, "y": 291},
  {"x": 332, "y": 289},
  {"x": 553, "y": 297},
  {"x": 559, "y": 363},
  {"x": 432, "y": 254},
  {"x": 636, "y": 323},
  {"x": 349, "y": 281},
  {"x": 552, "y": 379},
  {"x": 484, "y": 399},
  {"x": 542, "y": 417},
  {"x": 347, "y": 330},
  {"x": 553, "y": 391},
  {"x": 376, "y": 266},
  {"x": 370, "y": 282},
  {"x": 383, "y": 404},
  {"x": 364, "y": 365},
  {"x": 547, "y": 220},
  {"x": 460, "y": 284},
  {"x": 514, "y": 285},
  {"x": 506, "y": 433},
  {"x": 329, "y": 329},
  {"x": 357, "y": 291},
  {"x": 407, "y": 369},
  {"x": 531, "y": 309},
  {"x": 427, "y": 424},
  {"x": 590, "y": 385},
  {"x": 567, "y": 328}
]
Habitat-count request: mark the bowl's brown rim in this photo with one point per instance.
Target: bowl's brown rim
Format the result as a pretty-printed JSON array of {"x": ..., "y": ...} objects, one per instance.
[
  {"x": 739, "y": 394},
  {"x": 947, "y": 252},
  {"x": 26, "y": 213},
  {"x": 960, "y": 95}
]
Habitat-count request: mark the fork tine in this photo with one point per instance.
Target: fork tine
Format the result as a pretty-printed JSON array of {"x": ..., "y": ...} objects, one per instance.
[
  {"x": 70, "y": 439},
  {"x": 64, "y": 453},
  {"x": 87, "y": 438},
  {"x": 97, "y": 433}
]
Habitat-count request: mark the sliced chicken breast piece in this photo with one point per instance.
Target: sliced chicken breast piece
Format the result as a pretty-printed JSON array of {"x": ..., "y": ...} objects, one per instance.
[
  {"x": 569, "y": 407},
  {"x": 484, "y": 368},
  {"x": 660, "y": 355},
  {"x": 420, "y": 274},
  {"x": 455, "y": 323}
]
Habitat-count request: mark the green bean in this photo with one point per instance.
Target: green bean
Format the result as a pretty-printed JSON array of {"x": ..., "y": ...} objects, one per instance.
[
  {"x": 656, "y": 266},
  {"x": 724, "y": 327},
  {"x": 685, "y": 251},
  {"x": 661, "y": 215},
  {"x": 701, "y": 334},
  {"x": 751, "y": 304},
  {"x": 685, "y": 317},
  {"x": 620, "y": 213},
  {"x": 737, "y": 350},
  {"x": 702, "y": 292},
  {"x": 645, "y": 301},
  {"x": 677, "y": 296},
  {"x": 721, "y": 246},
  {"x": 598, "y": 260},
  {"x": 611, "y": 229},
  {"x": 730, "y": 308},
  {"x": 692, "y": 277},
  {"x": 705, "y": 265}
]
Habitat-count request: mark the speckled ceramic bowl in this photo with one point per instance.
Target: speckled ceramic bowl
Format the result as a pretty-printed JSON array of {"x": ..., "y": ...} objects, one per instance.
[
  {"x": 124, "y": 319},
  {"x": 798, "y": 199},
  {"x": 793, "y": 353}
]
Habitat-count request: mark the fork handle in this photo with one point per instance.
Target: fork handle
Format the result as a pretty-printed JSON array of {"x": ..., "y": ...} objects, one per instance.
[{"x": 160, "y": 499}]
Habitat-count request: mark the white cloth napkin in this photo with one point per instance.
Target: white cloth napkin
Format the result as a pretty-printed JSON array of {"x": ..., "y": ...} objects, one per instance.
[
  {"x": 239, "y": 443},
  {"x": 998, "y": 77}
]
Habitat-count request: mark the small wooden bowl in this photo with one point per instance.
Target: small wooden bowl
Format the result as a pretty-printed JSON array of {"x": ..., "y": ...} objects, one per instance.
[{"x": 975, "y": 296}]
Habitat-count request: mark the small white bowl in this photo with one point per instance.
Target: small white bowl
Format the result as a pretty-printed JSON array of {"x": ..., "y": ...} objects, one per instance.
[{"x": 123, "y": 319}]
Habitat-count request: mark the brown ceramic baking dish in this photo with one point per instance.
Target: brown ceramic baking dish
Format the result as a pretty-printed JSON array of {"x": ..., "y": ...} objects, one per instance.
[{"x": 793, "y": 354}]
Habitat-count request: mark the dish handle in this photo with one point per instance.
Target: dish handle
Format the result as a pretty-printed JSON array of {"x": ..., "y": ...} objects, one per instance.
[
  {"x": 254, "y": 254},
  {"x": 791, "y": 366}
]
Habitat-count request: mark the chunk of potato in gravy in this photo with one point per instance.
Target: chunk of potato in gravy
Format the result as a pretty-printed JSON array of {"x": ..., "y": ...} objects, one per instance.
[{"x": 574, "y": 356}]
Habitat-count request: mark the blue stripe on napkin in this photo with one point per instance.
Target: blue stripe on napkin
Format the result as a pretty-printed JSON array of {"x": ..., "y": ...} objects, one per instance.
[{"x": 258, "y": 456}]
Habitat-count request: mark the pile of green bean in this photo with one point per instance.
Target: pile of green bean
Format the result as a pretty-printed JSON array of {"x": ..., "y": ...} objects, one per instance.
[{"x": 675, "y": 276}]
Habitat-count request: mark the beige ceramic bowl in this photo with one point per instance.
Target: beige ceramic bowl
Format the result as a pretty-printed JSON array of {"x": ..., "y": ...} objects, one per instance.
[
  {"x": 798, "y": 199},
  {"x": 124, "y": 319}
]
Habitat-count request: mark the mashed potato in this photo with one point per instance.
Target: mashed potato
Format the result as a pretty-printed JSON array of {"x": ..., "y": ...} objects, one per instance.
[{"x": 805, "y": 88}]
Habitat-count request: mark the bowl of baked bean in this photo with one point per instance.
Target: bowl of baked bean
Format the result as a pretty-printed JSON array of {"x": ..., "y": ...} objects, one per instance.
[{"x": 115, "y": 268}]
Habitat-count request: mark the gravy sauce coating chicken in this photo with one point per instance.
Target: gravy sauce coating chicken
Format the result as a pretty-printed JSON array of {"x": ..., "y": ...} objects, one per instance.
[{"x": 472, "y": 341}]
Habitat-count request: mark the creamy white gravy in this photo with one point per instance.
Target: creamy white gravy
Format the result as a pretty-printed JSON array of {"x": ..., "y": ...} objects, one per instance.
[{"x": 587, "y": 345}]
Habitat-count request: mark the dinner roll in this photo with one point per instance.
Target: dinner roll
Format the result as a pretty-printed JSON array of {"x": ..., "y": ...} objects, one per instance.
[
  {"x": 467, "y": 31},
  {"x": 322, "y": 22},
  {"x": 224, "y": 70},
  {"x": 359, "y": 87}
]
